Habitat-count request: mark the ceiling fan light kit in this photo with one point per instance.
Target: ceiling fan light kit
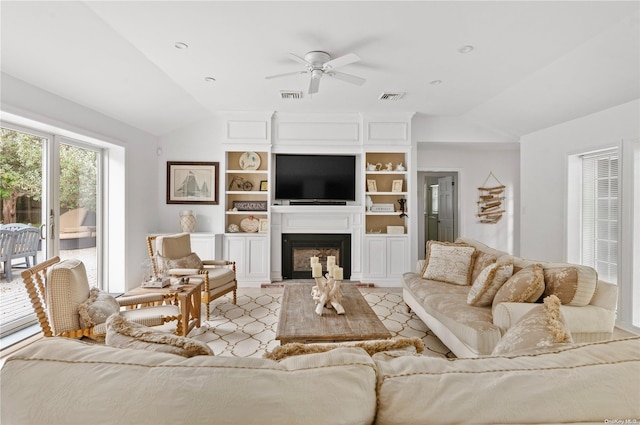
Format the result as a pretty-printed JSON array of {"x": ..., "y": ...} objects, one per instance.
[{"x": 319, "y": 63}]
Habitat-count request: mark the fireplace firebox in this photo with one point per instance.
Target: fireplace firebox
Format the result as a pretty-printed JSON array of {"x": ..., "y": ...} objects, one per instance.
[{"x": 298, "y": 248}]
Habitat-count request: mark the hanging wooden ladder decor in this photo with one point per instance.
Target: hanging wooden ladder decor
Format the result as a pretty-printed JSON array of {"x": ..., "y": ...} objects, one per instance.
[{"x": 491, "y": 200}]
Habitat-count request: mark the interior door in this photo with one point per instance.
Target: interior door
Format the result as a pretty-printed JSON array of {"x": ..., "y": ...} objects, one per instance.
[{"x": 446, "y": 219}]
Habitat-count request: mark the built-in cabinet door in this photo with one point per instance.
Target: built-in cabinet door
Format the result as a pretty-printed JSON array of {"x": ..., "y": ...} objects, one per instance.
[
  {"x": 376, "y": 257},
  {"x": 398, "y": 257},
  {"x": 251, "y": 256},
  {"x": 386, "y": 257}
]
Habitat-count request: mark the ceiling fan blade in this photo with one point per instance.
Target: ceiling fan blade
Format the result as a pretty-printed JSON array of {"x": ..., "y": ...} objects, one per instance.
[
  {"x": 347, "y": 77},
  {"x": 341, "y": 61},
  {"x": 298, "y": 59},
  {"x": 285, "y": 74},
  {"x": 314, "y": 85}
]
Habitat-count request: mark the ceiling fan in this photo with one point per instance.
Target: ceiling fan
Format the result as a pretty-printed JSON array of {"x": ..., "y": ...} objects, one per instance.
[{"x": 318, "y": 63}]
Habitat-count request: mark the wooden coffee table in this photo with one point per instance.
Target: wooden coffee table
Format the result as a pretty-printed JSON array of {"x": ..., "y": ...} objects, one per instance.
[{"x": 299, "y": 322}]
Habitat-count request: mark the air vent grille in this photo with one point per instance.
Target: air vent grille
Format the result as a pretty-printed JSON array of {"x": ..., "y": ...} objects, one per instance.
[
  {"x": 391, "y": 96},
  {"x": 286, "y": 94}
]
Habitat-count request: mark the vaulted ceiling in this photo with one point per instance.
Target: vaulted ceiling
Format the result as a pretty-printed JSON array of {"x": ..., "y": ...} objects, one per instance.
[{"x": 533, "y": 64}]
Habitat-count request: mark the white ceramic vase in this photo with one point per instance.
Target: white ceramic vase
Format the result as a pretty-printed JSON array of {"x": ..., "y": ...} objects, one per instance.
[{"x": 187, "y": 221}]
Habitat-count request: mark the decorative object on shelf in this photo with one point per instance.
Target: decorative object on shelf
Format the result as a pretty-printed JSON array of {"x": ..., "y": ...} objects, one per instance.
[
  {"x": 192, "y": 183},
  {"x": 395, "y": 230},
  {"x": 326, "y": 292},
  {"x": 233, "y": 228},
  {"x": 372, "y": 186},
  {"x": 491, "y": 200},
  {"x": 250, "y": 224},
  {"x": 397, "y": 185},
  {"x": 389, "y": 166},
  {"x": 264, "y": 185},
  {"x": 368, "y": 202},
  {"x": 249, "y": 205},
  {"x": 403, "y": 207},
  {"x": 382, "y": 208},
  {"x": 187, "y": 221},
  {"x": 374, "y": 167},
  {"x": 263, "y": 226},
  {"x": 240, "y": 183},
  {"x": 249, "y": 161},
  {"x": 400, "y": 167}
]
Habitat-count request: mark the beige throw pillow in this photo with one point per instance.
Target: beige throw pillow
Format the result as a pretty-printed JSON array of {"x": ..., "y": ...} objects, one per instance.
[
  {"x": 489, "y": 282},
  {"x": 448, "y": 262},
  {"x": 542, "y": 328},
  {"x": 525, "y": 286},
  {"x": 125, "y": 334},
  {"x": 481, "y": 262},
  {"x": 97, "y": 308},
  {"x": 562, "y": 282},
  {"x": 191, "y": 261}
]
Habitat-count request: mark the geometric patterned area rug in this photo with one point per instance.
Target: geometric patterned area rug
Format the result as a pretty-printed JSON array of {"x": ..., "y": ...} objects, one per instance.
[{"x": 248, "y": 329}]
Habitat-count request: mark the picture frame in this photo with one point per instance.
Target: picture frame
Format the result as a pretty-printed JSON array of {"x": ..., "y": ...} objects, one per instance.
[
  {"x": 249, "y": 205},
  {"x": 263, "y": 225},
  {"x": 372, "y": 185},
  {"x": 396, "y": 186},
  {"x": 192, "y": 182},
  {"x": 264, "y": 185}
]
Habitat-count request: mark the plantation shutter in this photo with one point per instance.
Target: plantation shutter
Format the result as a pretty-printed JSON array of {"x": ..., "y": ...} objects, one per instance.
[{"x": 600, "y": 213}]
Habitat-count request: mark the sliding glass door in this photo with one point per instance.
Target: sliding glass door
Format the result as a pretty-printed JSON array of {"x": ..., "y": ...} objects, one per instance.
[{"x": 51, "y": 184}]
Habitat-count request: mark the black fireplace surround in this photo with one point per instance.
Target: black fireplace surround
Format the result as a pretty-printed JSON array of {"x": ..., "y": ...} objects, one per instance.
[{"x": 318, "y": 244}]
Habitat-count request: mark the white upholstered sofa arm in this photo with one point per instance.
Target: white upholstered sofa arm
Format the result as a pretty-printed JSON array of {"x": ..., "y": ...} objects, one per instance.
[{"x": 587, "y": 319}]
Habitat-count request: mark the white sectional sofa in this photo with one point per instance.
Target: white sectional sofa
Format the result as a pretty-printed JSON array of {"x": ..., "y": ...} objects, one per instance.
[
  {"x": 64, "y": 381},
  {"x": 472, "y": 331}
]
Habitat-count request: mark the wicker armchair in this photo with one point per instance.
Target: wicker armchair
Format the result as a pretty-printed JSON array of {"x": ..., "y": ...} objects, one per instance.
[
  {"x": 57, "y": 288},
  {"x": 173, "y": 254}
]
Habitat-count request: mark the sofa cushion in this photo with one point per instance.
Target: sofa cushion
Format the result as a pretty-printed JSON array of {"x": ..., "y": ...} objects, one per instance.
[
  {"x": 97, "y": 308},
  {"x": 422, "y": 288},
  {"x": 67, "y": 287},
  {"x": 488, "y": 283},
  {"x": 540, "y": 328},
  {"x": 472, "y": 325},
  {"x": 575, "y": 384},
  {"x": 574, "y": 284},
  {"x": 122, "y": 333},
  {"x": 145, "y": 387},
  {"x": 448, "y": 262},
  {"x": 525, "y": 286}
]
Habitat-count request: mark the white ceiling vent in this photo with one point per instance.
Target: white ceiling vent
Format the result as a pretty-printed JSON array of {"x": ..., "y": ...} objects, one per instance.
[
  {"x": 391, "y": 96},
  {"x": 285, "y": 94}
]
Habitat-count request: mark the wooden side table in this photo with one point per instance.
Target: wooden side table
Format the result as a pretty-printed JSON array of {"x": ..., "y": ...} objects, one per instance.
[{"x": 189, "y": 299}]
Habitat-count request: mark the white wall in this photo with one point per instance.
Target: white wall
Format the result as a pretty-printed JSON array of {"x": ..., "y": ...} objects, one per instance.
[
  {"x": 543, "y": 166},
  {"x": 53, "y": 112},
  {"x": 198, "y": 142},
  {"x": 474, "y": 162}
]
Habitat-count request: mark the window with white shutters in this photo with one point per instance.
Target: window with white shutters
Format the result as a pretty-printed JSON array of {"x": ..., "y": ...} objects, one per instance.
[{"x": 600, "y": 207}]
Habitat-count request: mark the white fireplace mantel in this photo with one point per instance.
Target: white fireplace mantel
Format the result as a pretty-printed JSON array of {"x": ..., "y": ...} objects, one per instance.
[{"x": 316, "y": 219}]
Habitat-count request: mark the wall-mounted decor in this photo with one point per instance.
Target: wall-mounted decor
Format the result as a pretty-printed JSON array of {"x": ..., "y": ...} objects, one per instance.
[
  {"x": 192, "y": 183},
  {"x": 491, "y": 200},
  {"x": 249, "y": 205}
]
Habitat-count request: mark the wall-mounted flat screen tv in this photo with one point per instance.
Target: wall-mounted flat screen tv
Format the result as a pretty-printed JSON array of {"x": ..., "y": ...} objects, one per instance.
[{"x": 315, "y": 177}]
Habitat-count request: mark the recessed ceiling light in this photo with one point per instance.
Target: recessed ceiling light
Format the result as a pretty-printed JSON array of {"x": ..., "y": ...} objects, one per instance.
[
  {"x": 435, "y": 82},
  {"x": 180, "y": 45},
  {"x": 466, "y": 49},
  {"x": 210, "y": 79}
]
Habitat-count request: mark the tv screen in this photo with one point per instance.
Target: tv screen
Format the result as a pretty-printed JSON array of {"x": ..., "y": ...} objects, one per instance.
[{"x": 315, "y": 177}]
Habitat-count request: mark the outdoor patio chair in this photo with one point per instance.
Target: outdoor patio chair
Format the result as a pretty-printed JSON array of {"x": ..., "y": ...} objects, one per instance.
[
  {"x": 6, "y": 248},
  {"x": 57, "y": 288},
  {"x": 173, "y": 256},
  {"x": 26, "y": 244}
]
